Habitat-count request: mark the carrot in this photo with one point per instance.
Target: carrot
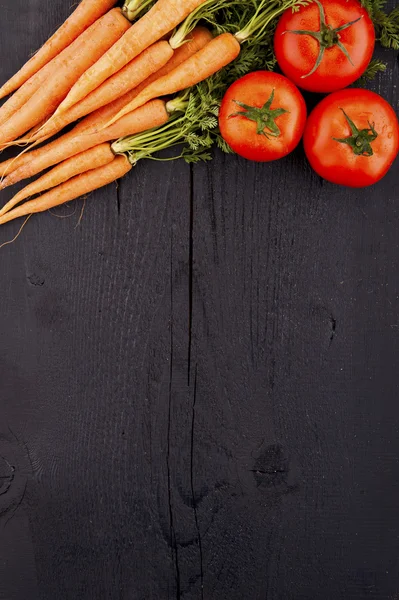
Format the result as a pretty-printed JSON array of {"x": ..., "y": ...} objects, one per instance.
[
  {"x": 99, "y": 117},
  {"x": 198, "y": 38},
  {"x": 46, "y": 99},
  {"x": 80, "y": 163},
  {"x": 24, "y": 93},
  {"x": 85, "y": 15},
  {"x": 33, "y": 84},
  {"x": 72, "y": 189},
  {"x": 153, "y": 60},
  {"x": 218, "y": 53},
  {"x": 148, "y": 116},
  {"x": 9, "y": 165},
  {"x": 91, "y": 123},
  {"x": 158, "y": 21},
  {"x": 12, "y": 164},
  {"x": 134, "y": 73}
]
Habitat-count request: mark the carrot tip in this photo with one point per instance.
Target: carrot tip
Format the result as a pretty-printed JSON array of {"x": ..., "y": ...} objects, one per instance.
[
  {"x": 110, "y": 122},
  {"x": 14, "y": 239}
]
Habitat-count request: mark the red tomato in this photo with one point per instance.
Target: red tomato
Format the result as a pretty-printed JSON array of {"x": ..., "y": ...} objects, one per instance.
[
  {"x": 326, "y": 45},
  {"x": 352, "y": 137},
  {"x": 262, "y": 116}
]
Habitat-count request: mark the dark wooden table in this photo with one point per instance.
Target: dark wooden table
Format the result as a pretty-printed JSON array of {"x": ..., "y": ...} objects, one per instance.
[{"x": 199, "y": 384}]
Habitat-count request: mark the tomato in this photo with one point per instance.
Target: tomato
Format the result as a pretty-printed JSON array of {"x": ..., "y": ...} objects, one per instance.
[
  {"x": 352, "y": 137},
  {"x": 262, "y": 116},
  {"x": 326, "y": 45}
]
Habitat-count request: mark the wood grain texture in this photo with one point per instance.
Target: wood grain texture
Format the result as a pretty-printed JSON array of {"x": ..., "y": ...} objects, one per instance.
[{"x": 198, "y": 385}]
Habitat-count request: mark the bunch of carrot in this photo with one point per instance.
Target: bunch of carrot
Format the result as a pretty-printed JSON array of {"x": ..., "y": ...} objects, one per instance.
[
  {"x": 92, "y": 67},
  {"x": 114, "y": 76}
]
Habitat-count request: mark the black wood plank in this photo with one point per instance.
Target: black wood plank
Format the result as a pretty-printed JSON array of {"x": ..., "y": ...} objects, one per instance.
[
  {"x": 295, "y": 337},
  {"x": 85, "y": 371}
]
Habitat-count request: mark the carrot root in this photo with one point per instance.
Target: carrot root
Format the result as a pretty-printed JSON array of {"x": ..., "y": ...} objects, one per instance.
[
  {"x": 72, "y": 189},
  {"x": 16, "y": 236}
]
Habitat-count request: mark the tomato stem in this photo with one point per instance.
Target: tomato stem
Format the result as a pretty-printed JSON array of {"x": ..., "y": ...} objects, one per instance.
[
  {"x": 360, "y": 140},
  {"x": 265, "y": 117},
  {"x": 327, "y": 37}
]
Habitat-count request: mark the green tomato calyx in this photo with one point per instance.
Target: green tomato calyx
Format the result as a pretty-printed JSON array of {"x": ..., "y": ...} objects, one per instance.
[
  {"x": 327, "y": 37},
  {"x": 361, "y": 139},
  {"x": 265, "y": 117}
]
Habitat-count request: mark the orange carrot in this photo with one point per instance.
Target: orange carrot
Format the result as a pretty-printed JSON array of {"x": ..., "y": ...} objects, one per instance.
[
  {"x": 24, "y": 93},
  {"x": 153, "y": 60},
  {"x": 85, "y": 14},
  {"x": 80, "y": 163},
  {"x": 158, "y": 21},
  {"x": 198, "y": 38},
  {"x": 33, "y": 84},
  {"x": 91, "y": 123},
  {"x": 218, "y": 53},
  {"x": 109, "y": 28},
  {"x": 148, "y": 116},
  {"x": 10, "y": 165},
  {"x": 134, "y": 73},
  {"x": 72, "y": 189}
]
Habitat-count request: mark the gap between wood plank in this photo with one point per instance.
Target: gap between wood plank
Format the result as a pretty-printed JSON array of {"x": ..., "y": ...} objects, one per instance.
[{"x": 190, "y": 274}]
